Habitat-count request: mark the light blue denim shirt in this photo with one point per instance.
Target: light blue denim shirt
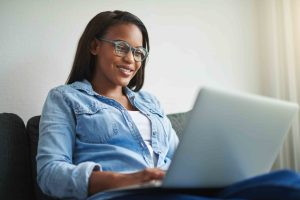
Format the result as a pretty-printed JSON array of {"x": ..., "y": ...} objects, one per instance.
[{"x": 82, "y": 131}]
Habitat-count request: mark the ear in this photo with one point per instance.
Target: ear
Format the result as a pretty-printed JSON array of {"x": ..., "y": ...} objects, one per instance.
[{"x": 94, "y": 47}]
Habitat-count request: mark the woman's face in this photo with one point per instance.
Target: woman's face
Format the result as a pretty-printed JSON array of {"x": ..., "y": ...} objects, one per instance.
[{"x": 112, "y": 71}]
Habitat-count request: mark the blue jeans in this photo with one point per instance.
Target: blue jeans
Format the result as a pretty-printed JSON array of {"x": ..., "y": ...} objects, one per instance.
[
  {"x": 282, "y": 184},
  {"x": 276, "y": 185}
]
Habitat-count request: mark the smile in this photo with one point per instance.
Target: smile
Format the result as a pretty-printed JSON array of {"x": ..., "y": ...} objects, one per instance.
[{"x": 125, "y": 70}]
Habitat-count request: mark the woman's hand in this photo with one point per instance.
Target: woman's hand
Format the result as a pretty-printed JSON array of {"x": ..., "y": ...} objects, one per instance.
[{"x": 101, "y": 180}]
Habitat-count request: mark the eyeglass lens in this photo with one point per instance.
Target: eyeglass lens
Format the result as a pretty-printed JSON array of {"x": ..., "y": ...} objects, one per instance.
[{"x": 122, "y": 49}]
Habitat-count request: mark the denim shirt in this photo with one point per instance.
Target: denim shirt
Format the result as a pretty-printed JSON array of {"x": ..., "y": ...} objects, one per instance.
[{"x": 82, "y": 131}]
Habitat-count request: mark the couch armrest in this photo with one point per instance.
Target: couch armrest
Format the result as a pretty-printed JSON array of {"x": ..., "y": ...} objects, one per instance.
[{"x": 15, "y": 168}]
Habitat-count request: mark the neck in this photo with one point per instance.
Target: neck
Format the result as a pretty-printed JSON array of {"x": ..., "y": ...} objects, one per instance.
[{"x": 111, "y": 92}]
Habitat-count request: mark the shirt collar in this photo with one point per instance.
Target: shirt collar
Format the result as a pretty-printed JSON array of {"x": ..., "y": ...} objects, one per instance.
[
  {"x": 130, "y": 94},
  {"x": 86, "y": 86}
]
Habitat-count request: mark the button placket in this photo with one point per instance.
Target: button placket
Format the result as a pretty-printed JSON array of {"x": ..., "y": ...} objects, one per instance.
[{"x": 131, "y": 124}]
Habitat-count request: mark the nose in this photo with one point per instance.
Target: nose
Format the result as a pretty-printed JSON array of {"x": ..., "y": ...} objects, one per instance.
[{"x": 129, "y": 57}]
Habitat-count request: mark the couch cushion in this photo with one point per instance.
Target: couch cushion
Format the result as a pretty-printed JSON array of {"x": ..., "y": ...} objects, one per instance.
[
  {"x": 178, "y": 121},
  {"x": 32, "y": 130},
  {"x": 15, "y": 172}
]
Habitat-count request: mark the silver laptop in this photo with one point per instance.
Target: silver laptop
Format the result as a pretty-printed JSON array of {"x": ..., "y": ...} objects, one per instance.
[{"x": 229, "y": 136}]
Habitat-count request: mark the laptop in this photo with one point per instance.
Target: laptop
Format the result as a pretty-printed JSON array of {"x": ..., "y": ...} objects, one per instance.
[{"x": 228, "y": 137}]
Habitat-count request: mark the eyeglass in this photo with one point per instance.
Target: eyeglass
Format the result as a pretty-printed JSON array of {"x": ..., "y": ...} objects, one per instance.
[{"x": 122, "y": 48}]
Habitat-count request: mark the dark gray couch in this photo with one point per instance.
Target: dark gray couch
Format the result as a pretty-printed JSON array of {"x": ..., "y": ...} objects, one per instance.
[{"x": 18, "y": 145}]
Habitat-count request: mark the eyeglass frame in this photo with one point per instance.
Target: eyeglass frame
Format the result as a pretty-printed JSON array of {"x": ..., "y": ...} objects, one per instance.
[{"x": 131, "y": 48}]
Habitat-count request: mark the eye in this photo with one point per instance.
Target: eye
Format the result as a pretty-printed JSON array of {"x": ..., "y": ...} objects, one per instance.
[
  {"x": 140, "y": 53},
  {"x": 122, "y": 47}
]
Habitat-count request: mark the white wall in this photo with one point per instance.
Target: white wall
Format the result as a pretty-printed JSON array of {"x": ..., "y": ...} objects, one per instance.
[{"x": 211, "y": 42}]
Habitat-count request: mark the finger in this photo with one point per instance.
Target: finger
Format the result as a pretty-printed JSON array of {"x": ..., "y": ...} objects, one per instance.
[{"x": 152, "y": 174}]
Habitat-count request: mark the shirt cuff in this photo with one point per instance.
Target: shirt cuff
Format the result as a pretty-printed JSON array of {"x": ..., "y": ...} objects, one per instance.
[{"x": 81, "y": 176}]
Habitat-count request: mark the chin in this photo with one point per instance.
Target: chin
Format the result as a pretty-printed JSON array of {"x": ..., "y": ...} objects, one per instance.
[{"x": 123, "y": 83}]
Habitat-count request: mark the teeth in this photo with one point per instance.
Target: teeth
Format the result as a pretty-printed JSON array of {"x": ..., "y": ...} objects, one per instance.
[{"x": 125, "y": 70}]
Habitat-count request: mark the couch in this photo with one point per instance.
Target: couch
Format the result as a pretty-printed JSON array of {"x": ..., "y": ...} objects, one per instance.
[{"x": 18, "y": 146}]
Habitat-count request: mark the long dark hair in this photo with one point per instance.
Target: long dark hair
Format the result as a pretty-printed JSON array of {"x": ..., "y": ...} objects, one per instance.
[{"x": 84, "y": 62}]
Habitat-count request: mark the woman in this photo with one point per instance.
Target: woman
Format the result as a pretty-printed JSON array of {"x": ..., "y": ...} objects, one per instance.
[{"x": 99, "y": 131}]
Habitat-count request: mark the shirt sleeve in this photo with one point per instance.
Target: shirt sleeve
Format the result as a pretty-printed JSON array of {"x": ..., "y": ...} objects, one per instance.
[{"x": 56, "y": 174}]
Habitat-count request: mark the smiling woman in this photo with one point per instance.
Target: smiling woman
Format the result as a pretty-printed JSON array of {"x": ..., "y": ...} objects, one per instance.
[
  {"x": 99, "y": 131},
  {"x": 97, "y": 29},
  {"x": 115, "y": 66}
]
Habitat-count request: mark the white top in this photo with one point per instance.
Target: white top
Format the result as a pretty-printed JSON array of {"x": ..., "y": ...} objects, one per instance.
[{"x": 144, "y": 126}]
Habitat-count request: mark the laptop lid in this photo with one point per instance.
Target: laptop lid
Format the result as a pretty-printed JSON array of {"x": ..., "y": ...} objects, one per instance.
[{"x": 229, "y": 136}]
